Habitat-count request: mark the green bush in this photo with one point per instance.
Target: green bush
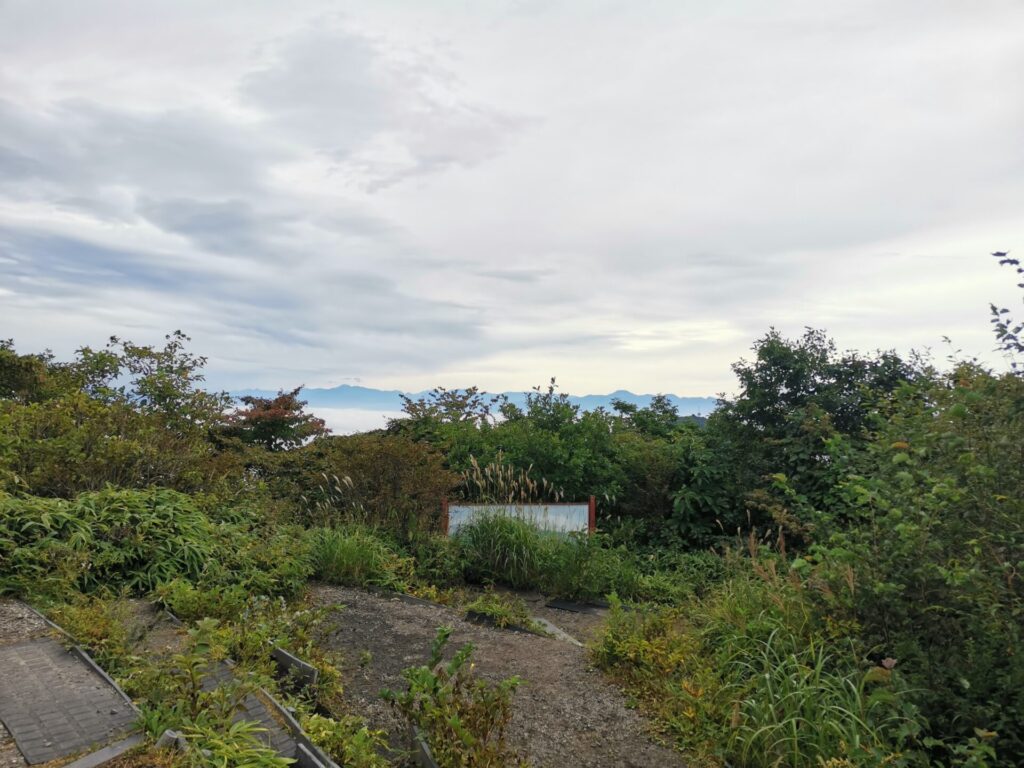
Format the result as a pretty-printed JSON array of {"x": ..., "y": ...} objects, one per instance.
[
  {"x": 439, "y": 560},
  {"x": 584, "y": 567},
  {"x": 504, "y": 550},
  {"x": 138, "y": 540},
  {"x": 355, "y": 556},
  {"x": 382, "y": 481},
  {"x": 925, "y": 550},
  {"x": 263, "y": 558}
]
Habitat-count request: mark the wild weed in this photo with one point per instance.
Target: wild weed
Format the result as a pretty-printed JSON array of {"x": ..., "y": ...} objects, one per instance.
[
  {"x": 505, "y": 610},
  {"x": 462, "y": 718},
  {"x": 347, "y": 740}
]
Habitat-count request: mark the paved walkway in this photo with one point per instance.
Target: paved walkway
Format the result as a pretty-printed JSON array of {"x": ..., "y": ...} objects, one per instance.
[{"x": 52, "y": 702}]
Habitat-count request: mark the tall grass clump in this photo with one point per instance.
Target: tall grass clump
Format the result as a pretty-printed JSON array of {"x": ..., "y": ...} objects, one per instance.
[
  {"x": 793, "y": 706},
  {"x": 356, "y": 556},
  {"x": 504, "y": 550}
]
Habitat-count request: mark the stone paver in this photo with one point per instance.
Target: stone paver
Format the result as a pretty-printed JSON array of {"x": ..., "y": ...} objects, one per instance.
[
  {"x": 54, "y": 705},
  {"x": 10, "y": 755}
]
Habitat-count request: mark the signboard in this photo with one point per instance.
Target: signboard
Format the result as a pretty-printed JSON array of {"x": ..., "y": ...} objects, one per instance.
[{"x": 560, "y": 517}]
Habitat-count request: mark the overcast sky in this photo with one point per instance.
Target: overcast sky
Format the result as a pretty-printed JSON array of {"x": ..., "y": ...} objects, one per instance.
[{"x": 619, "y": 194}]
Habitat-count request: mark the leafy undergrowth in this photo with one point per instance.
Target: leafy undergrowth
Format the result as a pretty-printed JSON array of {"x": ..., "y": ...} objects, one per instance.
[
  {"x": 505, "y": 610},
  {"x": 139, "y": 539},
  {"x": 504, "y": 551},
  {"x": 746, "y": 676},
  {"x": 463, "y": 718},
  {"x": 169, "y": 689}
]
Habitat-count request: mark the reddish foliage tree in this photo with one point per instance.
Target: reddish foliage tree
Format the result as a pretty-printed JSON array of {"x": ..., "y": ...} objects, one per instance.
[{"x": 277, "y": 423}]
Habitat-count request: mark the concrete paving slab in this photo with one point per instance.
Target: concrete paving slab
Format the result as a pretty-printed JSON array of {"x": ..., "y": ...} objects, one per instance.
[{"x": 54, "y": 705}]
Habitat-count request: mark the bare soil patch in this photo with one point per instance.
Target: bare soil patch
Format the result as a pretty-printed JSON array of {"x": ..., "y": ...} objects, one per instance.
[{"x": 565, "y": 714}]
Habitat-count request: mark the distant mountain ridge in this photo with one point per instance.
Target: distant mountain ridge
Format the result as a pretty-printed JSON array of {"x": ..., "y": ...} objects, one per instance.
[{"x": 367, "y": 398}]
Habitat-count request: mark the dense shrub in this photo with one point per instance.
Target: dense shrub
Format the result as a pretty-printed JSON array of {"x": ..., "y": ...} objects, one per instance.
[
  {"x": 439, "y": 560},
  {"x": 75, "y": 443},
  {"x": 138, "y": 540},
  {"x": 925, "y": 551},
  {"x": 377, "y": 480},
  {"x": 584, "y": 567},
  {"x": 751, "y": 675},
  {"x": 355, "y": 556}
]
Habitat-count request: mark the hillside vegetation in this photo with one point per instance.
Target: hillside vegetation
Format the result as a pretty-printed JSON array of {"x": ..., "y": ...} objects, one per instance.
[{"x": 827, "y": 573}]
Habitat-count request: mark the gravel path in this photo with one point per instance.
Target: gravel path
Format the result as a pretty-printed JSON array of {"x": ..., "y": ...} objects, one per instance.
[
  {"x": 19, "y": 622},
  {"x": 565, "y": 714}
]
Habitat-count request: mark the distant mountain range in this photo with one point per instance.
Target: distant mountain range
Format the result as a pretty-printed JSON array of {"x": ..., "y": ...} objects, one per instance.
[{"x": 367, "y": 398}]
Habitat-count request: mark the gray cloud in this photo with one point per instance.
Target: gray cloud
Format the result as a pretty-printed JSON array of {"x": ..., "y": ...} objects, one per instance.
[
  {"x": 381, "y": 117},
  {"x": 228, "y": 226},
  {"x": 623, "y": 195}
]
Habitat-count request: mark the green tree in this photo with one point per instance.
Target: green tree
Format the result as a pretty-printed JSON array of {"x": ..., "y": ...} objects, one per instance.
[
  {"x": 797, "y": 399},
  {"x": 165, "y": 381},
  {"x": 23, "y": 378}
]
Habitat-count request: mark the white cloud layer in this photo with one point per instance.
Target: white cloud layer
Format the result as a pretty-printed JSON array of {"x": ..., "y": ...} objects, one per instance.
[{"x": 621, "y": 194}]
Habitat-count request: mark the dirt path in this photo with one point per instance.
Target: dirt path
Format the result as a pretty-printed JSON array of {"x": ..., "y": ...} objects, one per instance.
[{"x": 565, "y": 714}]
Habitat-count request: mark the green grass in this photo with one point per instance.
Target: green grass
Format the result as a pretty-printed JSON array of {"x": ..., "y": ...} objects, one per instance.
[
  {"x": 504, "y": 550},
  {"x": 504, "y": 609},
  {"x": 750, "y": 675},
  {"x": 515, "y": 553},
  {"x": 355, "y": 556},
  {"x": 794, "y": 705}
]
